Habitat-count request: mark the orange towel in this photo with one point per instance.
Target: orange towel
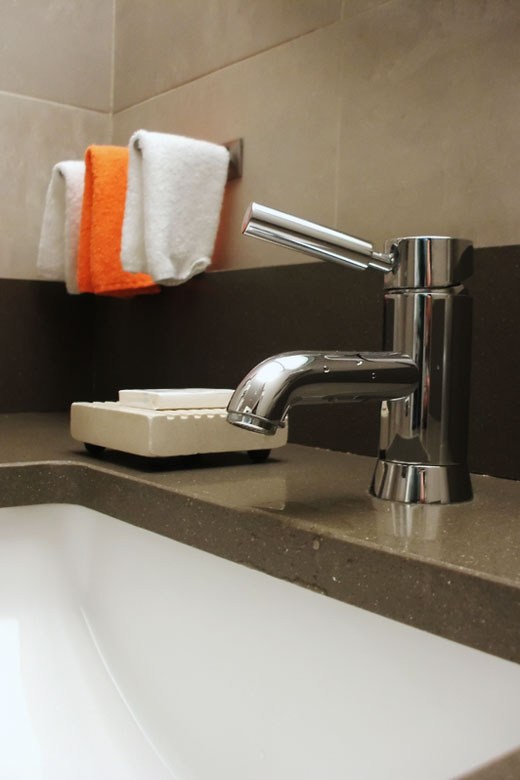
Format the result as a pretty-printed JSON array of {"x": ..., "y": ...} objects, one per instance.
[{"x": 99, "y": 261}]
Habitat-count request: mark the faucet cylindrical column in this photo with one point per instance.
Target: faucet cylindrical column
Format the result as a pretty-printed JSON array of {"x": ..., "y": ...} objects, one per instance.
[{"x": 423, "y": 443}]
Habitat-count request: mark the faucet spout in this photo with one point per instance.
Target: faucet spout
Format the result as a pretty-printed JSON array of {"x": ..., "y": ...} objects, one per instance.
[{"x": 262, "y": 400}]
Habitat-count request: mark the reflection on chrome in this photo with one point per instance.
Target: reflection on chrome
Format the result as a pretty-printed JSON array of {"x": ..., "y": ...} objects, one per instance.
[
  {"x": 412, "y": 527},
  {"x": 422, "y": 379}
]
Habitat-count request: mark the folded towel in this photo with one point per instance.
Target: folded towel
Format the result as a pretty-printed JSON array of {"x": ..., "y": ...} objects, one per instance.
[
  {"x": 58, "y": 249},
  {"x": 99, "y": 261},
  {"x": 173, "y": 202}
]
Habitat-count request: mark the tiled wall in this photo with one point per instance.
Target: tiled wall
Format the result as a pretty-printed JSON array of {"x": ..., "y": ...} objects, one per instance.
[
  {"x": 55, "y": 99},
  {"x": 384, "y": 117}
]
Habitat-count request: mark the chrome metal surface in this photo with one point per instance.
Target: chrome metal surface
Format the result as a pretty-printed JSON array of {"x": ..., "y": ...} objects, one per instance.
[
  {"x": 313, "y": 239},
  {"x": 422, "y": 377},
  {"x": 429, "y": 261},
  {"x": 263, "y": 398},
  {"x": 416, "y": 484},
  {"x": 433, "y": 327}
]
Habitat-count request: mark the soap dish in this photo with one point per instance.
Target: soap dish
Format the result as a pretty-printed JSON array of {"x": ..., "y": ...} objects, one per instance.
[{"x": 166, "y": 432}]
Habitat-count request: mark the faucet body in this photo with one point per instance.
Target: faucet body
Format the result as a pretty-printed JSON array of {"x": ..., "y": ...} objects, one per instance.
[{"x": 421, "y": 379}]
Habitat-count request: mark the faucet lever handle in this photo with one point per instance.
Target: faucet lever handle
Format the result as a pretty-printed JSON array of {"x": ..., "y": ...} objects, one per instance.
[{"x": 313, "y": 239}]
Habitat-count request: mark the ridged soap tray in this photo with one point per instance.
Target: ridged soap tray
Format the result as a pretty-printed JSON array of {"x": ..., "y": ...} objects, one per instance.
[{"x": 152, "y": 432}]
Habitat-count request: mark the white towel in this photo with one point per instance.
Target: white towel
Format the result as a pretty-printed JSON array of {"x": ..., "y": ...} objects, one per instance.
[
  {"x": 173, "y": 201},
  {"x": 58, "y": 249}
]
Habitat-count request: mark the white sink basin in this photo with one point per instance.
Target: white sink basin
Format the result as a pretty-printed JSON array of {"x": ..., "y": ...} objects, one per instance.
[{"x": 126, "y": 655}]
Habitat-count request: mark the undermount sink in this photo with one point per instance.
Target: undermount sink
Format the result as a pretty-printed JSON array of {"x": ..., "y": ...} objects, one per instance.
[{"x": 126, "y": 655}]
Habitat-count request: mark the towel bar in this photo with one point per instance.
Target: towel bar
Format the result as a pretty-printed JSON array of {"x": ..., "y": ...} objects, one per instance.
[{"x": 236, "y": 151}]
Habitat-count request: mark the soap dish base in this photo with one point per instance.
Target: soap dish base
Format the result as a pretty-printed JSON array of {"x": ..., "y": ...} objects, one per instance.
[{"x": 156, "y": 433}]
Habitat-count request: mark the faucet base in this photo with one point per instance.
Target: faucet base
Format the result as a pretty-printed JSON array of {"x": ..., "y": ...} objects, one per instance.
[{"x": 415, "y": 484}]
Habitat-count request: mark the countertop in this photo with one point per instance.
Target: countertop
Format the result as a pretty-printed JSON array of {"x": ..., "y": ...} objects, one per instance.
[{"x": 305, "y": 516}]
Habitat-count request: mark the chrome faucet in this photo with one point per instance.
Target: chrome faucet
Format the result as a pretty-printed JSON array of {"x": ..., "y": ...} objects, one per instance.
[{"x": 422, "y": 379}]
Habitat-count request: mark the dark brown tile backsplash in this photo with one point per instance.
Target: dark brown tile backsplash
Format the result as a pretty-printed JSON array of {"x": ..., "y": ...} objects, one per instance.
[
  {"x": 211, "y": 331},
  {"x": 46, "y": 346}
]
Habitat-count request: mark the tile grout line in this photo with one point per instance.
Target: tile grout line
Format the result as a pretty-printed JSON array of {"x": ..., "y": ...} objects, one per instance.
[
  {"x": 339, "y": 115},
  {"x": 21, "y": 96},
  {"x": 113, "y": 72},
  {"x": 225, "y": 66}
]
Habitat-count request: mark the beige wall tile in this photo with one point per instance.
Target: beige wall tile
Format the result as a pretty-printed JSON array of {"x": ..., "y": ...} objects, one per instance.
[
  {"x": 430, "y": 121},
  {"x": 354, "y": 7},
  {"x": 33, "y": 136},
  {"x": 58, "y": 50},
  {"x": 284, "y": 103},
  {"x": 161, "y": 44}
]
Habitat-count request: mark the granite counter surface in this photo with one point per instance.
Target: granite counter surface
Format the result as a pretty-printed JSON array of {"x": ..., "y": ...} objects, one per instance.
[{"x": 305, "y": 516}]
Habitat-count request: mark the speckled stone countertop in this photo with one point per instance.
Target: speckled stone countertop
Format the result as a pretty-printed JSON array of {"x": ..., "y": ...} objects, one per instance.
[{"x": 305, "y": 516}]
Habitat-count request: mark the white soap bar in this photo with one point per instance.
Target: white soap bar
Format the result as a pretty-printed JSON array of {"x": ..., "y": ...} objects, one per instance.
[{"x": 182, "y": 398}]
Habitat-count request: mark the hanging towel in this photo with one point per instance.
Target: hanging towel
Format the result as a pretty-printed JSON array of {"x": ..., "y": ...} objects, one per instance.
[
  {"x": 99, "y": 262},
  {"x": 58, "y": 249},
  {"x": 173, "y": 202}
]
